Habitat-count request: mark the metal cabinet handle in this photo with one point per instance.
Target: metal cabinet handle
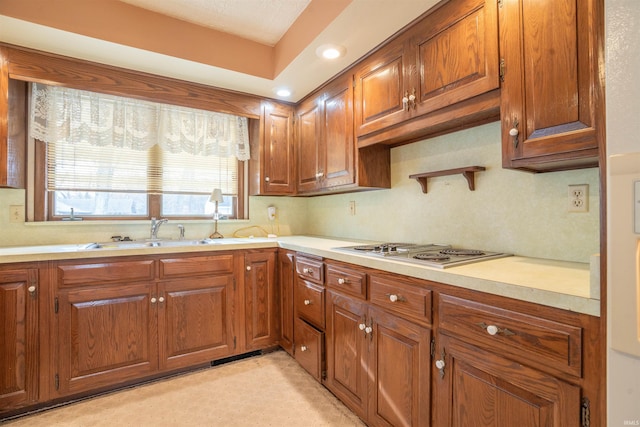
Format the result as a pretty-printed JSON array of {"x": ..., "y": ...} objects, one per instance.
[
  {"x": 342, "y": 281},
  {"x": 307, "y": 270},
  {"x": 161, "y": 299},
  {"x": 362, "y": 326},
  {"x": 248, "y": 268},
  {"x": 307, "y": 302},
  {"x": 31, "y": 289},
  {"x": 153, "y": 300}
]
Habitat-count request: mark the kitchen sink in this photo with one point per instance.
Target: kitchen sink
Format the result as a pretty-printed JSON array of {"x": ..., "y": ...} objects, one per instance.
[{"x": 140, "y": 244}]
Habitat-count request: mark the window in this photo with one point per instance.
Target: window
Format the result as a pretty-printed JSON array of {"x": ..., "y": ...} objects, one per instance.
[{"x": 114, "y": 157}]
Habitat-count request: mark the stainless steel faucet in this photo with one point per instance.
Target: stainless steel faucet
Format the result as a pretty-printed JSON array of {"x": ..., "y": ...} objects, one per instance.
[
  {"x": 155, "y": 226},
  {"x": 181, "y": 229}
]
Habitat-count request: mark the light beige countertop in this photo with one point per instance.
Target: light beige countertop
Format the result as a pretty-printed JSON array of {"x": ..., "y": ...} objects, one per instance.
[{"x": 565, "y": 285}]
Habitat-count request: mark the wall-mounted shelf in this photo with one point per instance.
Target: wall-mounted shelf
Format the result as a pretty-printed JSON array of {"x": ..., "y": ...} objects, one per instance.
[{"x": 468, "y": 173}]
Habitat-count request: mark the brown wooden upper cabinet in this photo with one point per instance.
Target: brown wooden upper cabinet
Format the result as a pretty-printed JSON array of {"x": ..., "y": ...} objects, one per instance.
[
  {"x": 326, "y": 149},
  {"x": 272, "y": 168},
  {"x": 552, "y": 99},
  {"x": 448, "y": 57}
]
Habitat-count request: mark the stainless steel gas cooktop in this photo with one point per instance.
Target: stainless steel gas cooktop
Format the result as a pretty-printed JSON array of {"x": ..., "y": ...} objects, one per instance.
[{"x": 432, "y": 255}]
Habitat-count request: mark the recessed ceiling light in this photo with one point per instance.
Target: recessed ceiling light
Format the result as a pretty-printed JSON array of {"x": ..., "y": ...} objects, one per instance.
[
  {"x": 284, "y": 92},
  {"x": 330, "y": 51}
]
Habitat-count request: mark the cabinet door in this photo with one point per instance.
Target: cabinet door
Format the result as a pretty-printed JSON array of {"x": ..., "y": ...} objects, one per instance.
[
  {"x": 399, "y": 373},
  {"x": 286, "y": 281},
  {"x": 552, "y": 92},
  {"x": 107, "y": 335},
  {"x": 18, "y": 338},
  {"x": 346, "y": 351},
  {"x": 309, "y": 145},
  {"x": 478, "y": 388},
  {"x": 381, "y": 83},
  {"x": 456, "y": 48},
  {"x": 277, "y": 156},
  {"x": 262, "y": 317},
  {"x": 195, "y": 320},
  {"x": 337, "y": 134}
]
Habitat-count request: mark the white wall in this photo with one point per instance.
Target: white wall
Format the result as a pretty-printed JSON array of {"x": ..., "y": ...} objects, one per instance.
[{"x": 623, "y": 135}]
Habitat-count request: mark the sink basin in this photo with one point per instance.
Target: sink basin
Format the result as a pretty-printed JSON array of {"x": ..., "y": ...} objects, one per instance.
[{"x": 140, "y": 244}]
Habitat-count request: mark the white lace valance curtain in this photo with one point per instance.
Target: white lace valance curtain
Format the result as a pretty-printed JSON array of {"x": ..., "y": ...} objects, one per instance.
[{"x": 61, "y": 114}]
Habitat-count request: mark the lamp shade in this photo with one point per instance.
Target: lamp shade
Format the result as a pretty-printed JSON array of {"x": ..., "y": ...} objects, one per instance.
[{"x": 216, "y": 196}]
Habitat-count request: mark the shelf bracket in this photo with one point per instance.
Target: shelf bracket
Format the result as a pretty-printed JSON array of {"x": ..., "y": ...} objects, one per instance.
[{"x": 468, "y": 172}]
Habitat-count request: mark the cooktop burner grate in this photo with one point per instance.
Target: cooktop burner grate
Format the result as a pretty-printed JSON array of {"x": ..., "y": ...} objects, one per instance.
[
  {"x": 462, "y": 252},
  {"x": 428, "y": 256}
]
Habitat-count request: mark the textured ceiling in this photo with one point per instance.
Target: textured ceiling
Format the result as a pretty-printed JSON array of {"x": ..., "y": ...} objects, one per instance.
[
  {"x": 252, "y": 46},
  {"x": 263, "y": 21}
]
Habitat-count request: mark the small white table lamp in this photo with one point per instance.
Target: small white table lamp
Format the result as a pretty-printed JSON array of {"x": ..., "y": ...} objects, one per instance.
[{"x": 216, "y": 197}]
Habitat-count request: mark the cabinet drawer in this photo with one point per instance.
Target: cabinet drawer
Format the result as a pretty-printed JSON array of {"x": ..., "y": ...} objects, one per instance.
[
  {"x": 532, "y": 340},
  {"x": 347, "y": 280},
  {"x": 310, "y": 302},
  {"x": 309, "y": 348},
  {"x": 310, "y": 268},
  {"x": 401, "y": 297},
  {"x": 105, "y": 272},
  {"x": 196, "y": 265}
]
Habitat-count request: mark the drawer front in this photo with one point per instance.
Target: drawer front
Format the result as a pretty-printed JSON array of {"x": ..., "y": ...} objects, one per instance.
[
  {"x": 310, "y": 269},
  {"x": 310, "y": 302},
  {"x": 105, "y": 272},
  {"x": 408, "y": 300},
  {"x": 529, "y": 339},
  {"x": 196, "y": 265},
  {"x": 309, "y": 348},
  {"x": 347, "y": 280}
]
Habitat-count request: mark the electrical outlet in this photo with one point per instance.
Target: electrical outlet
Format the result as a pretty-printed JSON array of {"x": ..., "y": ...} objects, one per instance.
[
  {"x": 578, "y": 198},
  {"x": 271, "y": 212},
  {"x": 352, "y": 207},
  {"x": 16, "y": 213}
]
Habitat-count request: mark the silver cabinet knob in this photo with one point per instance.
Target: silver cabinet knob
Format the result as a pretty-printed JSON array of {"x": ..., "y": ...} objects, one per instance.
[
  {"x": 303, "y": 348},
  {"x": 307, "y": 302}
]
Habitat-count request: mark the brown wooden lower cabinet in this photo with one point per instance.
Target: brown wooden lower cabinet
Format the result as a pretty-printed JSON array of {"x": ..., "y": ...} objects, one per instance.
[
  {"x": 106, "y": 335},
  {"x": 285, "y": 283},
  {"x": 262, "y": 319},
  {"x": 377, "y": 363},
  {"x": 474, "y": 387},
  {"x": 19, "y": 316}
]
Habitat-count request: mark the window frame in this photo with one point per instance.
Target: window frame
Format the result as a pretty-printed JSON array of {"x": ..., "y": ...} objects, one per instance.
[{"x": 43, "y": 199}]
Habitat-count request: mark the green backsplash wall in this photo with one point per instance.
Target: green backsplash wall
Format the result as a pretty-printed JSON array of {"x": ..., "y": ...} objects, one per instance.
[{"x": 510, "y": 211}]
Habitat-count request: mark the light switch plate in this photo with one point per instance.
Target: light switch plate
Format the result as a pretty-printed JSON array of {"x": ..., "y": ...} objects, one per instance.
[{"x": 16, "y": 213}]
